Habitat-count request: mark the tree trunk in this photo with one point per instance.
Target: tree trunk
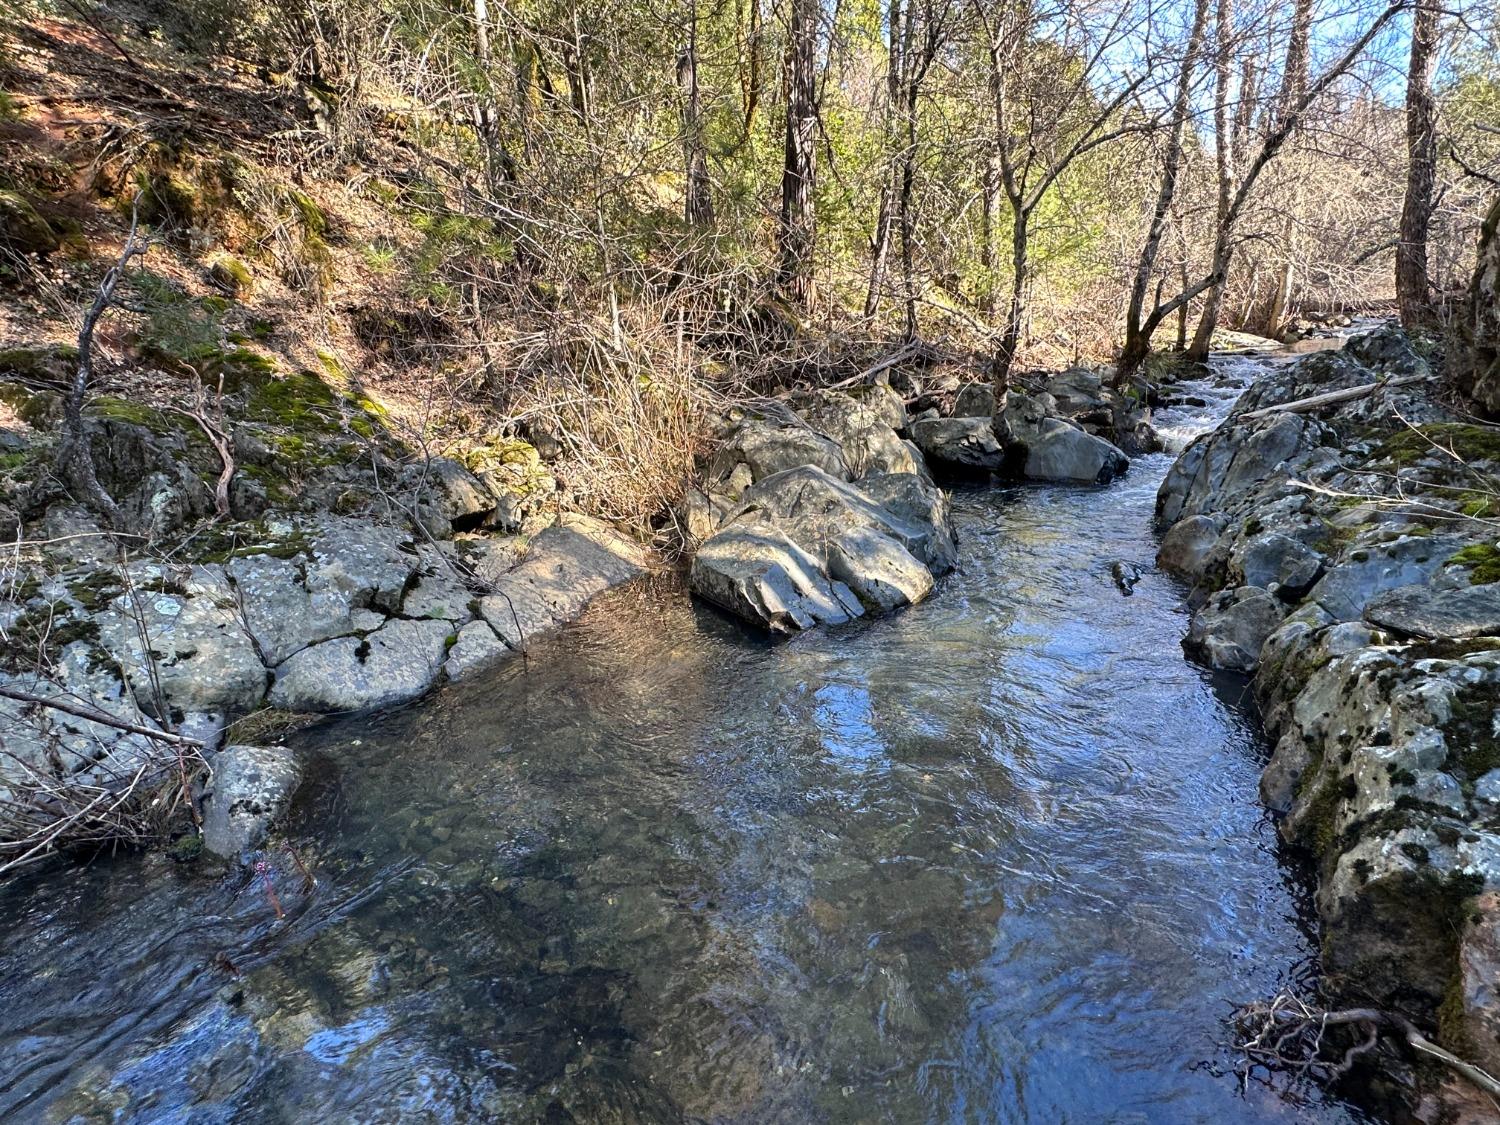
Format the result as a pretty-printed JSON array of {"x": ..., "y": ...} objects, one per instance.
[
  {"x": 1010, "y": 342},
  {"x": 799, "y": 167},
  {"x": 880, "y": 244},
  {"x": 1421, "y": 169},
  {"x": 904, "y": 201},
  {"x": 1224, "y": 157},
  {"x": 698, "y": 204},
  {"x": 1138, "y": 335}
]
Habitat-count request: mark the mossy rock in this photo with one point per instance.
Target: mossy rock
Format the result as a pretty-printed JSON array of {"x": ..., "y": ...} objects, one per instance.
[
  {"x": 38, "y": 409},
  {"x": 22, "y": 229},
  {"x": 230, "y": 274},
  {"x": 301, "y": 401},
  {"x": 48, "y": 364},
  {"x": 498, "y": 451},
  {"x": 1484, "y": 558},
  {"x": 135, "y": 413}
]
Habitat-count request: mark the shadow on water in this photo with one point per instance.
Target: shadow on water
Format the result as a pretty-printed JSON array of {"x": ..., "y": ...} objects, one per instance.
[{"x": 996, "y": 858}]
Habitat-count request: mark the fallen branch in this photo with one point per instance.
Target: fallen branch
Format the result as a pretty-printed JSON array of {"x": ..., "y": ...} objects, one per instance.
[
  {"x": 900, "y": 355},
  {"x": 1287, "y": 1032},
  {"x": 94, "y": 715},
  {"x": 218, "y": 436},
  {"x": 1348, "y": 394}
]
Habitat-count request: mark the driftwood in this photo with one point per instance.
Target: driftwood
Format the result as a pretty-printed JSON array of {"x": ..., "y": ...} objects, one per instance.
[{"x": 1348, "y": 394}]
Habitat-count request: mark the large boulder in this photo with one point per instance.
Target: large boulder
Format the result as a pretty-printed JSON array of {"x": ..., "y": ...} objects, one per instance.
[
  {"x": 445, "y": 496},
  {"x": 1060, "y": 452},
  {"x": 771, "y": 445},
  {"x": 975, "y": 400},
  {"x": 959, "y": 447},
  {"x": 1051, "y": 449},
  {"x": 249, "y": 788},
  {"x": 1345, "y": 589},
  {"x": 814, "y": 507},
  {"x": 1279, "y": 563},
  {"x": 395, "y": 663},
  {"x": 805, "y": 549},
  {"x": 863, "y": 421},
  {"x": 1435, "y": 614},
  {"x": 22, "y": 230},
  {"x": 1186, "y": 546},
  {"x": 755, "y": 571},
  {"x": 1230, "y": 629}
]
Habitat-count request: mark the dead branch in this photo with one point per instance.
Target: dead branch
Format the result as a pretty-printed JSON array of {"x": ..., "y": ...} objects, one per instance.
[
  {"x": 75, "y": 459},
  {"x": 1348, "y": 394},
  {"x": 219, "y": 437},
  {"x": 94, "y": 715}
]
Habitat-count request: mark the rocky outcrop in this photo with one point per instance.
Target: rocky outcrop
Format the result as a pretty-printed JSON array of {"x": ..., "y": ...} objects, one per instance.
[
  {"x": 312, "y": 615},
  {"x": 819, "y": 515},
  {"x": 1345, "y": 559}
]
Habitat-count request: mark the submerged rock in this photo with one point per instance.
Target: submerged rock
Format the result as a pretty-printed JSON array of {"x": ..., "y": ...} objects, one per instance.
[
  {"x": 249, "y": 788},
  {"x": 566, "y": 566}
]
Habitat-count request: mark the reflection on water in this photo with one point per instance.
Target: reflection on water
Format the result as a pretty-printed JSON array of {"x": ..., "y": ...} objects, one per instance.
[{"x": 997, "y": 858}]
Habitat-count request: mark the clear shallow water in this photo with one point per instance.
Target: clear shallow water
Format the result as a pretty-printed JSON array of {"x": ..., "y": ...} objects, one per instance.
[{"x": 996, "y": 858}]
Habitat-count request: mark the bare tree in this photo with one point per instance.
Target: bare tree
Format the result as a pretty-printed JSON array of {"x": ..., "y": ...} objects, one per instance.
[
  {"x": 1038, "y": 137},
  {"x": 698, "y": 204},
  {"x": 1421, "y": 168},
  {"x": 798, "y": 230}
]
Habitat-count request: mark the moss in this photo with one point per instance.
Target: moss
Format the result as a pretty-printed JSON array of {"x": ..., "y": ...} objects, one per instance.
[
  {"x": 1470, "y": 442},
  {"x": 136, "y": 413},
  {"x": 1484, "y": 558},
  {"x": 43, "y": 364},
  {"x": 312, "y": 216},
  {"x": 186, "y": 849},
  {"x": 1416, "y": 853},
  {"x": 1473, "y": 745},
  {"x": 300, "y": 401},
  {"x": 168, "y": 198},
  {"x": 1482, "y": 506},
  {"x": 1453, "y": 1032}
]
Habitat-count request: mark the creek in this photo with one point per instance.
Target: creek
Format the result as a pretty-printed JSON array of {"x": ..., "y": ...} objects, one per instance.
[{"x": 998, "y": 857}]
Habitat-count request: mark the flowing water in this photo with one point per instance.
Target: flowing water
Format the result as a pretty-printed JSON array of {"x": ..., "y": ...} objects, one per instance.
[{"x": 995, "y": 858}]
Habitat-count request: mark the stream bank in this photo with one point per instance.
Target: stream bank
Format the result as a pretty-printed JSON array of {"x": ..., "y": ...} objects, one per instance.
[{"x": 1346, "y": 556}]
